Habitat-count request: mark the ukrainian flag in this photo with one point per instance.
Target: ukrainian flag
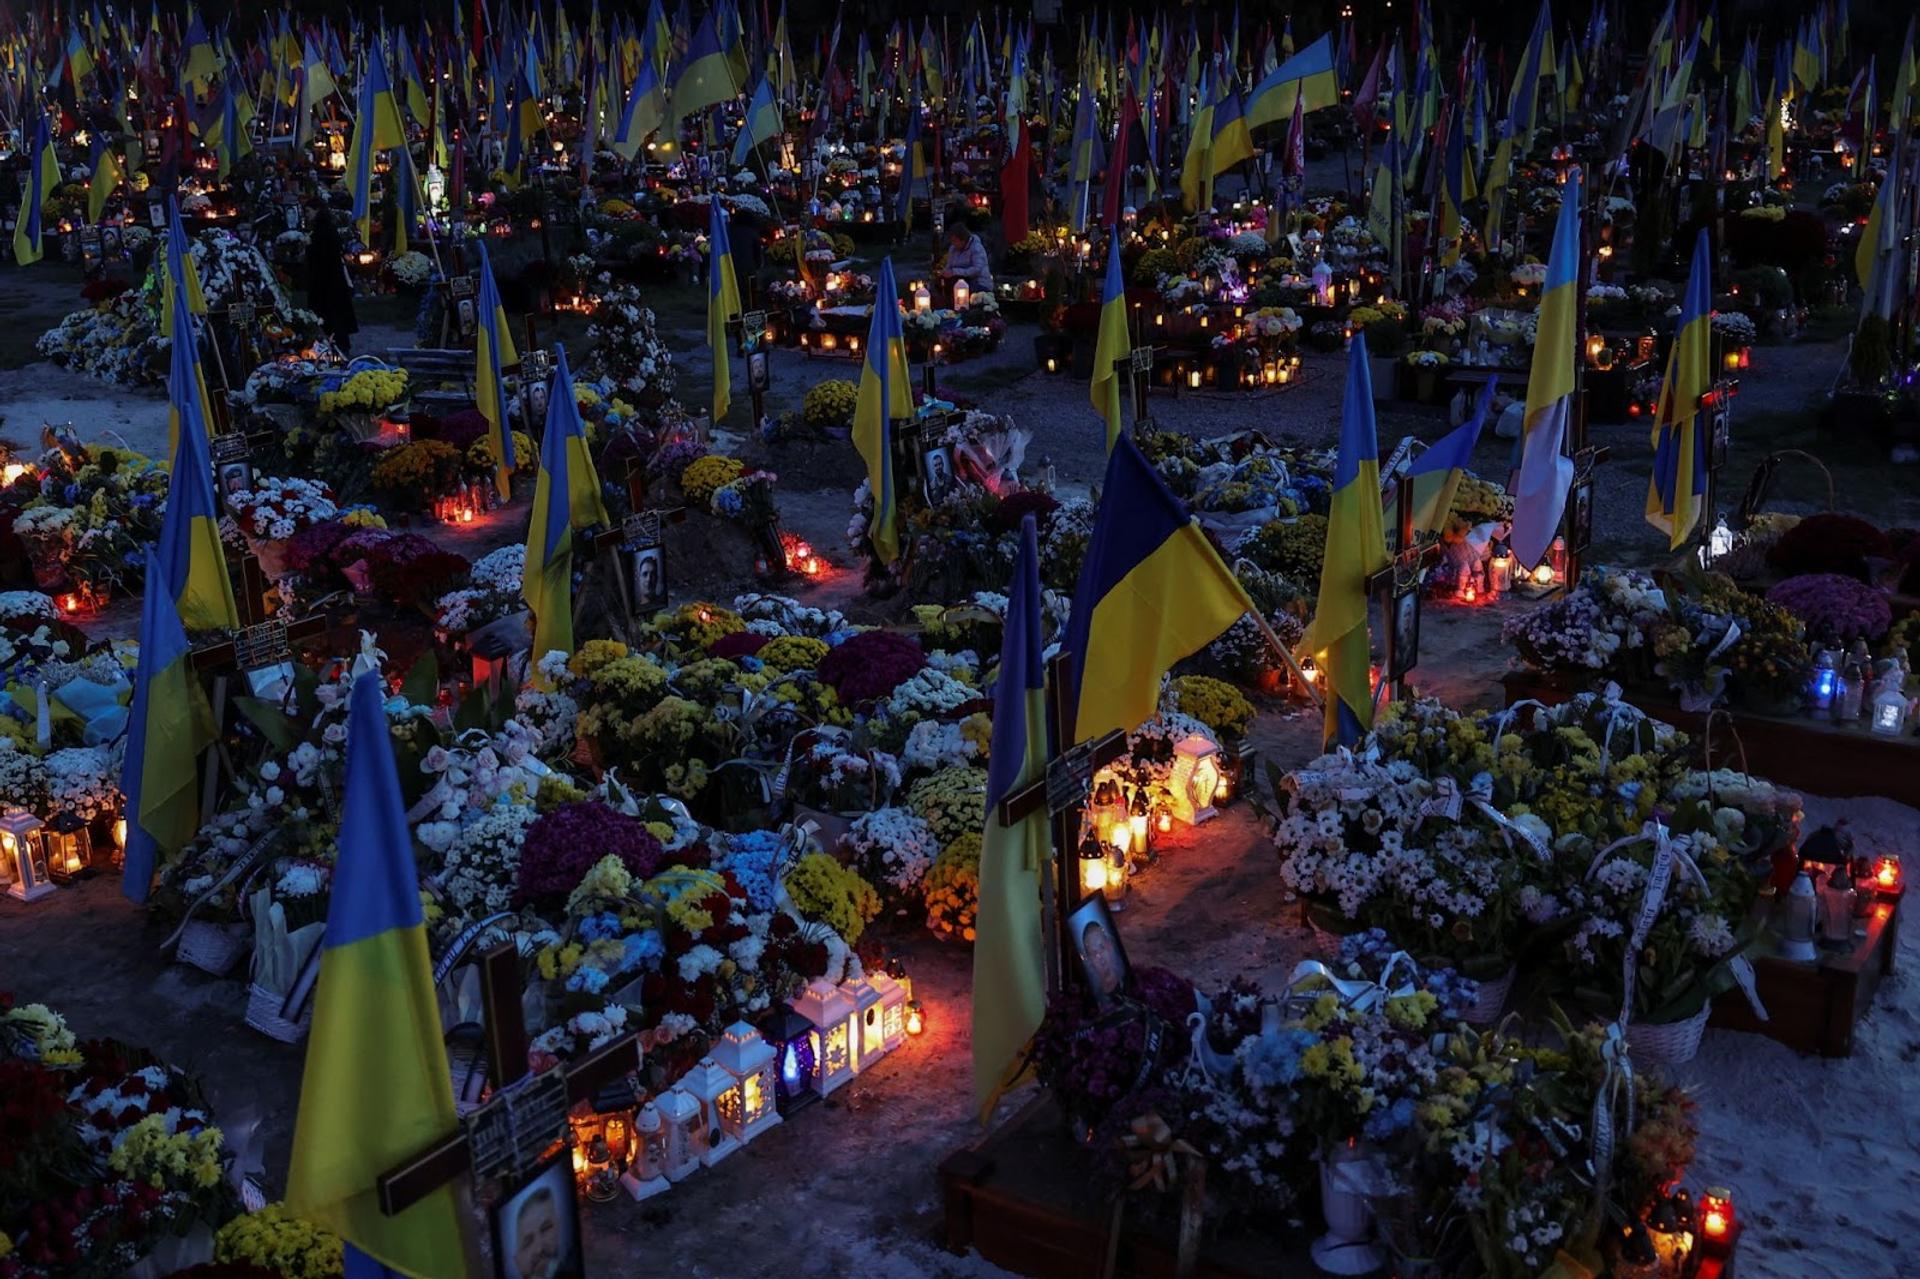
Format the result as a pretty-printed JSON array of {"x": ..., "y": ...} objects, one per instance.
[
  {"x": 1152, "y": 591},
  {"x": 1879, "y": 233},
  {"x": 1009, "y": 951},
  {"x": 169, "y": 725},
  {"x": 180, "y": 267},
  {"x": 1307, "y": 76},
  {"x": 1232, "y": 142},
  {"x": 1356, "y": 550},
  {"x": 79, "y": 59},
  {"x": 566, "y": 496},
  {"x": 706, "y": 77},
  {"x": 1456, "y": 188},
  {"x": 201, "y": 62},
  {"x": 886, "y": 392},
  {"x": 1545, "y": 469},
  {"x": 723, "y": 305},
  {"x": 196, "y": 566},
  {"x": 228, "y": 135},
  {"x": 107, "y": 175},
  {"x": 763, "y": 122},
  {"x": 645, "y": 112},
  {"x": 1677, "y": 491},
  {"x": 376, "y": 1089},
  {"x": 493, "y": 352},
  {"x": 377, "y": 129},
  {"x": 1435, "y": 474},
  {"x": 1113, "y": 344},
  {"x": 43, "y": 175},
  {"x": 1197, "y": 167},
  {"x": 913, "y": 162}
]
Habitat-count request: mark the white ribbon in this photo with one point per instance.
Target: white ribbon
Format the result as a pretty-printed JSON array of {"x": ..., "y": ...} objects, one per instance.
[{"x": 1357, "y": 993}]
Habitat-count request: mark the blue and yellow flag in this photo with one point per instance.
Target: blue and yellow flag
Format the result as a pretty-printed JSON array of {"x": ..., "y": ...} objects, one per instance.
[
  {"x": 1337, "y": 639},
  {"x": 913, "y": 162},
  {"x": 706, "y": 77},
  {"x": 723, "y": 305},
  {"x": 180, "y": 270},
  {"x": 201, "y": 60},
  {"x": 1307, "y": 76},
  {"x": 645, "y": 111},
  {"x": 762, "y": 123},
  {"x": 376, "y": 1090},
  {"x": 1232, "y": 142},
  {"x": 1113, "y": 344},
  {"x": 1435, "y": 474},
  {"x": 377, "y": 129},
  {"x": 1152, "y": 591},
  {"x": 566, "y": 496},
  {"x": 41, "y": 177},
  {"x": 886, "y": 392},
  {"x": 1456, "y": 188},
  {"x": 1196, "y": 169},
  {"x": 167, "y": 728},
  {"x": 107, "y": 175},
  {"x": 1545, "y": 469},
  {"x": 1677, "y": 490},
  {"x": 195, "y": 564},
  {"x": 493, "y": 352},
  {"x": 1009, "y": 951}
]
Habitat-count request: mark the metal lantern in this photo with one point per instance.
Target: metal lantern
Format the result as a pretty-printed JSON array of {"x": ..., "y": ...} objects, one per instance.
[
  {"x": 711, "y": 1084},
  {"x": 790, "y": 1036},
  {"x": 746, "y": 1056},
  {"x": 892, "y": 1013},
  {"x": 1195, "y": 780},
  {"x": 1093, "y": 862},
  {"x": 868, "y": 1021},
  {"x": 835, "y": 1049},
  {"x": 1825, "y": 684},
  {"x": 1138, "y": 820},
  {"x": 645, "y": 1176},
  {"x": 69, "y": 848},
  {"x": 686, "y": 1137},
  {"x": 23, "y": 855},
  {"x": 1890, "y": 707},
  {"x": 962, "y": 294}
]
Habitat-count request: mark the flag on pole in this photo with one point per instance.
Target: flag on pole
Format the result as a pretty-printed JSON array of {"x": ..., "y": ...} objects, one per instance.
[
  {"x": 1545, "y": 469},
  {"x": 1436, "y": 473},
  {"x": 762, "y": 123},
  {"x": 645, "y": 112},
  {"x": 378, "y": 128},
  {"x": 1305, "y": 80},
  {"x": 723, "y": 305},
  {"x": 1677, "y": 490},
  {"x": 1113, "y": 344},
  {"x": 376, "y": 1089},
  {"x": 493, "y": 351},
  {"x": 1356, "y": 550},
  {"x": 195, "y": 563},
  {"x": 566, "y": 496},
  {"x": 167, "y": 728},
  {"x": 1152, "y": 591},
  {"x": 42, "y": 176},
  {"x": 886, "y": 392},
  {"x": 1009, "y": 950},
  {"x": 108, "y": 173}
]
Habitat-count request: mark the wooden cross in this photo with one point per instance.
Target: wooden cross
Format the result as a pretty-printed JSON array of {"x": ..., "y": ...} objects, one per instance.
[
  {"x": 406, "y": 1184},
  {"x": 1137, "y": 366},
  {"x": 1578, "y": 530},
  {"x": 1402, "y": 573},
  {"x": 1063, "y": 789}
]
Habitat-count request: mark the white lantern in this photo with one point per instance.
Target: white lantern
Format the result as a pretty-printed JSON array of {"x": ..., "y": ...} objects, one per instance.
[
  {"x": 922, "y": 297},
  {"x": 711, "y": 1085},
  {"x": 835, "y": 1048},
  {"x": 867, "y": 1026},
  {"x": 1196, "y": 778},
  {"x": 962, "y": 293},
  {"x": 686, "y": 1133},
  {"x": 645, "y": 1176},
  {"x": 893, "y": 1012},
  {"x": 23, "y": 855},
  {"x": 1890, "y": 707},
  {"x": 748, "y": 1057}
]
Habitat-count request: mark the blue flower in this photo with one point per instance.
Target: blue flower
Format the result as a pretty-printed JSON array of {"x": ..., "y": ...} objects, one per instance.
[
  {"x": 641, "y": 949},
  {"x": 1272, "y": 1061},
  {"x": 1385, "y": 1122},
  {"x": 601, "y": 926},
  {"x": 590, "y": 980}
]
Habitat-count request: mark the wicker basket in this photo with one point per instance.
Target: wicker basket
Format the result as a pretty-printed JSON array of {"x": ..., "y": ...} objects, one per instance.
[
  {"x": 1666, "y": 1043},
  {"x": 213, "y": 948},
  {"x": 263, "y": 1014},
  {"x": 1492, "y": 1000}
]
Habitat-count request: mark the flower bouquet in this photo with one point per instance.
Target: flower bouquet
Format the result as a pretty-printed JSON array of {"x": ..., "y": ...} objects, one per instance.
[{"x": 273, "y": 510}]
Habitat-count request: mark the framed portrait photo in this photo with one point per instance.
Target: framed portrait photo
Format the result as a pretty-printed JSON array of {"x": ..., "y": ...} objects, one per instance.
[
  {"x": 646, "y": 576},
  {"x": 759, "y": 372},
  {"x": 464, "y": 308},
  {"x": 1102, "y": 960},
  {"x": 1580, "y": 518},
  {"x": 1403, "y": 641},
  {"x": 1719, "y": 439},
  {"x": 936, "y": 473},
  {"x": 536, "y": 1225}
]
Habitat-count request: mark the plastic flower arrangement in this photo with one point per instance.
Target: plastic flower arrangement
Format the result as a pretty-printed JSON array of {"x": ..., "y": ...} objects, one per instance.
[
  {"x": 951, "y": 801},
  {"x": 410, "y": 270},
  {"x": 894, "y": 847},
  {"x": 367, "y": 391},
  {"x": 93, "y": 513},
  {"x": 1218, "y": 705},
  {"x": 953, "y": 889},
  {"x": 626, "y": 347},
  {"x": 563, "y": 846},
  {"x": 1834, "y": 607},
  {"x": 1293, "y": 548},
  {"x": 704, "y": 475},
  {"x": 618, "y": 693},
  {"x": 792, "y": 653},
  {"x": 823, "y": 890},
  {"x": 871, "y": 665},
  {"x": 278, "y": 507},
  {"x": 276, "y": 1240},
  {"x": 830, "y": 403}
]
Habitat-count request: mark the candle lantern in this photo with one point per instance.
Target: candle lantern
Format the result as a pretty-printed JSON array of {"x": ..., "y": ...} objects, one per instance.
[
  {"x": 717, "y": 1092},
  {"x": 890, "y": 1015},
  {"x": 23, "y": 855},
  {"x": 745, "y": 1055},
  {"x": 868, "y": 1027},
  {"x": 1108, "y": 809},
  {"x": 1794, "y": 921},
  {"x": 1825, "y": 683},
  {"x": 1118, "y": 847},
  {"x": 922, "y": 298},
  {"x": 1890, "y": 706},
  {"x": 1233, "y": 772},
  {"x": 835, "y": 1051},
  {"x": 962, "y": 294},
  {"x": 1500, "y": 570},
  {"x": 69, "y": 846},
  {"x": 1193, "y": 379},
  {"x": 916, "y": 1019},
  {"x": 646, "y": 1175},
  {"x": 1886, "y": 874},
  {"x": 790, "y": 1036},
  {"x": 1718, "y": 1226},
  {"x": 897, "y": 970},
  {"x": 1557, "y": 558},
  {"x": 600, "y": 1144},
  {"x": 1196, "y": 778},
  {"x": 1837, "y": 901},
  {"x": 1138, "y": 814},
  {"x": 1093, "y": 862},
  {"x": 686, "y": 1136}
]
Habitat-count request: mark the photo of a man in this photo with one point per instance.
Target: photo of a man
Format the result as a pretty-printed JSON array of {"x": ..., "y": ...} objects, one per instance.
[
  {"x": 1406, "y": 634},
  {"x": 939, "y": 474},
  {"x": 649, "y": 578},
  {"x": 536, "y": 1230},
  {"x": 1096, "y": 942}
]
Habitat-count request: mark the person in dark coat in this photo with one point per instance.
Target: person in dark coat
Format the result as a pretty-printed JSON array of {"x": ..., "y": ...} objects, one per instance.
[{"x": 329, "y": 292}]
